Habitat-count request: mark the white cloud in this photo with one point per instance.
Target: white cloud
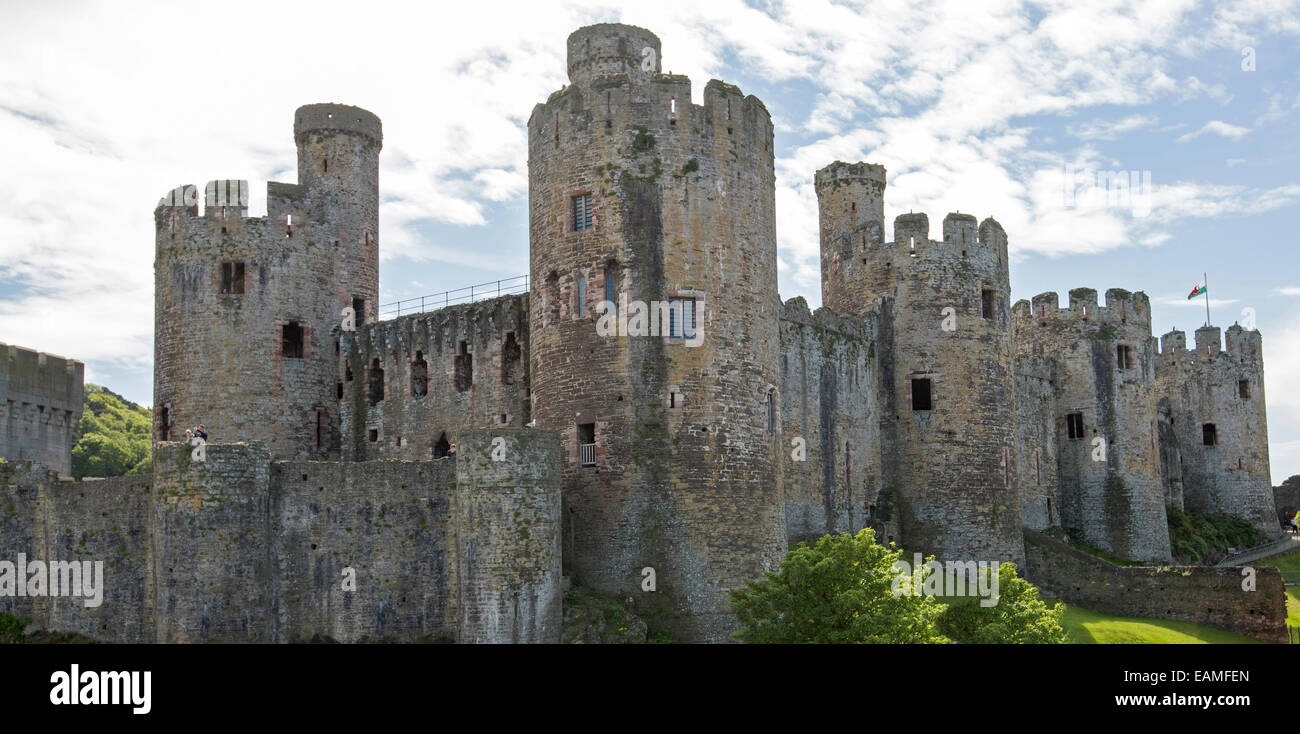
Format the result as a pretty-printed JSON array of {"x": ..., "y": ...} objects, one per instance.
[
  {"x": 1110, "y": 129},
  {"x": 1217, "y": 127},
  {"x": 936, "y": 92},
  {"x": 1290, "y": 290}
]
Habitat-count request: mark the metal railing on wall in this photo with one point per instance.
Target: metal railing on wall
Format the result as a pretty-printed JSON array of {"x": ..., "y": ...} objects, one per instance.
[{"x": 468, "y": 294}]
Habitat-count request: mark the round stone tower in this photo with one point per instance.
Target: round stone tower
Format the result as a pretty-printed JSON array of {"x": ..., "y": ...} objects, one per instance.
[
  {"x": 1104, "y": 415},
  {"x": 851, "y": 204},
  {"x": 664, "y": 209},
  {"x": 945, "y": 363},
  {"x": 244, "y": 307},
  {"x": 338, "y": 164},
  {"x": 1216, "y": 399}
]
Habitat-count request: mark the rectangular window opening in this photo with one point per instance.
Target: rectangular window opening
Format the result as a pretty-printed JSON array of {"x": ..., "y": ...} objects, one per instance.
[
  {"x": 1243, "y": 389},
  {"x": 988, "y": 301},
  {"x": 921, "y": 394},
  {"x": 1074, "y": 426},
  {"x": 1124, "y": 356},
  {"x": 581, "y": 212},
  {"x": 1209, "y": 435},
  {"x": 232, "y": 278},
  {"x": 464, "y": 368},
  {"x": 291, "y": 341},
  {"x": 587, "y": 444},
  {"x": 681, "y": 318}
]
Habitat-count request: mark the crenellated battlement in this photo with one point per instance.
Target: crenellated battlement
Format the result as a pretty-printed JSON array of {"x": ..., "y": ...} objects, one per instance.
[
  {"x": 1124, "y": 310},
  {"x": 617, "y": 94},
  {"x": 962, "y": 233},
  {"x": 1242, "y": 346},
  {"x": 52, "y": 380}
]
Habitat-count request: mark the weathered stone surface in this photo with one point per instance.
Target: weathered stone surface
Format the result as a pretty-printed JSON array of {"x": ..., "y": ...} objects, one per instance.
[
  {"x": 243, "y": 548},
  {"x": 40, "y": 405},
  {"x": 1219, "y": 384},
  {"x": 1107, "y": 487},
  {"x": 684, "y": 478},
  {"x": 220, "y": 357},
  {"x": 1209, "y": 595},
  {"x": 695, "y": 461}
]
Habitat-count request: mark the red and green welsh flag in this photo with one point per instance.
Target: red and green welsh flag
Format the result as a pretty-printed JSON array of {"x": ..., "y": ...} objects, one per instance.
[{"x": 1198, "y": 290}]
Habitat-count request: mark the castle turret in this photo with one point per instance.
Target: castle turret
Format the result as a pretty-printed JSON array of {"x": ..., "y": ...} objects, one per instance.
[
  {"x": 851, "y": 204},
  {"x": 1099, "y": 420},
  {"x": 665, "y": 208},
  {"x": 947, "y": 425},
  {"x": 245, "y": 306},
  {"x": 1218, "y": 425}
]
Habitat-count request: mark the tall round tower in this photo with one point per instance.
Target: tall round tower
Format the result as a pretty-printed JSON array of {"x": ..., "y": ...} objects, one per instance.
[
  {"x": 1219, "y": 422},
  {"x": 851, "y": 204},
  {"x": 948, "y": 388},
  {"x": 338, "y": 164},
  {"x": 244, "y": 306},
  {"x": 666, "y": 209},
  {"x": 1104, "y": 414}
]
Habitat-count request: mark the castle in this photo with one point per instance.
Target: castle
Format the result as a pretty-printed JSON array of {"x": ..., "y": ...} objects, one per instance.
[{"x": 917, "y": 400}]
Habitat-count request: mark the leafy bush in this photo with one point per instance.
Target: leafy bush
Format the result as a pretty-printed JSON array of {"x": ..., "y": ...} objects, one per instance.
[
  {"x": 1019, "y": 617},
  {"x": 846, "y": 589},
  {"x": 838, "y": 590}
]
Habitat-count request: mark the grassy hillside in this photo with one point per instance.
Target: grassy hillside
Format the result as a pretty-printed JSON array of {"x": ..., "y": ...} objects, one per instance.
[
  {"x": 1197, "y": 538},
  {"x": 113, "y": 438}
]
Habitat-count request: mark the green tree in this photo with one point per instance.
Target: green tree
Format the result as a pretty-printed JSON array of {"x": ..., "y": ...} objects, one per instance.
[
  {"x": 114, "y": 436},
  {"x": 1018, "y": 617},
  {"x": 839, "y": 590}
]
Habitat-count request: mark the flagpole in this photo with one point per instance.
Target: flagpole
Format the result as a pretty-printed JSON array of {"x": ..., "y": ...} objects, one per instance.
[{"x": 1206, "y": 282}]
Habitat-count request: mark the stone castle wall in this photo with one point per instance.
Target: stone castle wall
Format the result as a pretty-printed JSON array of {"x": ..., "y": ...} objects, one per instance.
[
  {"x": 1036, "y": 434},
  {"x": 40, "y": 405},
  {"x": 409, "y": 383},
  {"x": 1209, "y": 595},
  {"x": 242, "y": 548},
  {"x": 831, "y": 481},
  {"x": 48, "y": 519}
]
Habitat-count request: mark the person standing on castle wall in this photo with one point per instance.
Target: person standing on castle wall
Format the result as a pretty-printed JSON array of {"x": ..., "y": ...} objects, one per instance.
[{"x": 201, "y": 433}]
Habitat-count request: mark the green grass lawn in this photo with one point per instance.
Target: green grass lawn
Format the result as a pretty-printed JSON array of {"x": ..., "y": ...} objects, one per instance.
[
  {"x": 1288, "y": 564},
  {"x": 1086, "y": 627}
]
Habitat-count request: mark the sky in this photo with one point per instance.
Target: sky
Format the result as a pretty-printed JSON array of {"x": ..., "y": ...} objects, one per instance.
[{"x": 999, "y": 108}]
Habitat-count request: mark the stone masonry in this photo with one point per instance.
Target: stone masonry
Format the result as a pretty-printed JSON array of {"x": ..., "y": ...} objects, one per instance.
[
  {"x": 40, "y": 405},
  {"x": 649, "y": 408}
]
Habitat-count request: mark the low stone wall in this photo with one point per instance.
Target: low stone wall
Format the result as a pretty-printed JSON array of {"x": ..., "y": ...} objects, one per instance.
[
  {"x": 48, "y": 520},
  {"x": 1206, "y": 595},
  {"x": 239, "y": 548}
]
